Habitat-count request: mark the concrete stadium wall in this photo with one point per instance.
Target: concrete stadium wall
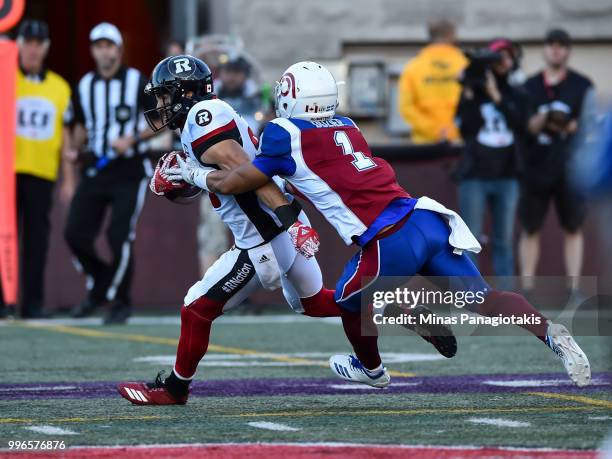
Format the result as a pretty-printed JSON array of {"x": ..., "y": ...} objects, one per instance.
[{"x": 279, "y": 33}]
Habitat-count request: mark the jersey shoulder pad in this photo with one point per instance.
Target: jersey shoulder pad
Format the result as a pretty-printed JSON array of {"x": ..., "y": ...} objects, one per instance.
[
  {"x": 275, "y": 139},
  {"x": 208, "y": 115},
  {"x": 347, "y": 121},
  {"x": 210, "y": 121}
]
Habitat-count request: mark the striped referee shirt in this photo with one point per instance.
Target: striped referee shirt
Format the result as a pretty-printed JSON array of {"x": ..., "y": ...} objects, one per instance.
[{"x": 110, "y": 109}]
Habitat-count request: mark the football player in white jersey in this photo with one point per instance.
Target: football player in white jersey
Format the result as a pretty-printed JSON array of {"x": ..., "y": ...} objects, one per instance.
[{"x": 264, "y": 255}]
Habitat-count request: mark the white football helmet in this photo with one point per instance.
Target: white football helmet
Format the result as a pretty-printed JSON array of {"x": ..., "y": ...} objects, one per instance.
[{"x": 307, "y": 91}]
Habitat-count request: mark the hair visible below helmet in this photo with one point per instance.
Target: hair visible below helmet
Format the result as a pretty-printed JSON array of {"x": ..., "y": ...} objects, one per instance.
[
  {"x": 307, "y": 91},
  {"x": 184, "y": 81}
]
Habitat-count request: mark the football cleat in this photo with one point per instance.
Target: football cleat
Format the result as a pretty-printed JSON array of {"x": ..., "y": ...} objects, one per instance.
[
  {"x": 439, "y": 336},
  {"x": 154, "y": 393},
  {"x": 350, "y": 368},
  {"x": 574, "y": 359}
]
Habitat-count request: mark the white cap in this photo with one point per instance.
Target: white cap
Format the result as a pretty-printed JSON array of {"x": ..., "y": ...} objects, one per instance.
[{"x": 106, "y": 31}]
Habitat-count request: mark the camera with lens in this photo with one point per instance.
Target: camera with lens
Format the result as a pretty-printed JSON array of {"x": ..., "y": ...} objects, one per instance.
[
  {"x": 558, "y": 115},
  {"x": 475, "y": 74}
]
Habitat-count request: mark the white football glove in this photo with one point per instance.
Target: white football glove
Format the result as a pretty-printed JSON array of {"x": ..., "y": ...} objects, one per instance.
[{"x": 189, "y": 171}]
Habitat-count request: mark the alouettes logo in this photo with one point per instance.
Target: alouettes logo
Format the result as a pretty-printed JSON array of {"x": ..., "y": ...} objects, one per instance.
[{"x": 287, "y": 85}]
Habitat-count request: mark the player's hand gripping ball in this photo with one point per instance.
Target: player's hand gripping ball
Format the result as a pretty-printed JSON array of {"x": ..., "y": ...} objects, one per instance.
[{"x": 161, "y": 185}]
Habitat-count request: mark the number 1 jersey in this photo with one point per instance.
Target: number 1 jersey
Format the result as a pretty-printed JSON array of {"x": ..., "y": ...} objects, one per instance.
[{"x": 330, "y": 164}]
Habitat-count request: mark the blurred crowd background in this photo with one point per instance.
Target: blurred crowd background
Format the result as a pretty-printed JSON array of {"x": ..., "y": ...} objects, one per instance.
[{"x": 497, "y": 109}]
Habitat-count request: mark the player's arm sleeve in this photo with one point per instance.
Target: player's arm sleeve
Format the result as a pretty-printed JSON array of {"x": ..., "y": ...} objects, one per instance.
[{"x": 274, "y": 156}]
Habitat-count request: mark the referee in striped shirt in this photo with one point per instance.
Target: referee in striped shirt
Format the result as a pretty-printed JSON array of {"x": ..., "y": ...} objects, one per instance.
[{"x": 109, "y": 130}]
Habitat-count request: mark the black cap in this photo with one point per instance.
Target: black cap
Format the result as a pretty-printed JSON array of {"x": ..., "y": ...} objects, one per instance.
[
  {"x": 30, "y": 29},
  {"x": 558, "y": 36},
  {"x": 237, "y": 63}
]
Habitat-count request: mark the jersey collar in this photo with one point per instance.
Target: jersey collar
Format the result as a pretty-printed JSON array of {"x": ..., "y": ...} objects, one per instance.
[{"x": 35, "y": 77}]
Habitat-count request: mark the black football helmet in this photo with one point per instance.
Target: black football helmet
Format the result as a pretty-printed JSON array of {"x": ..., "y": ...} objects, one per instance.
[{"x": 171, "y": 80}]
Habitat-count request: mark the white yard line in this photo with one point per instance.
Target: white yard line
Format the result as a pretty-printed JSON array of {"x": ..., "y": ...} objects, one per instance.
[
  {"x": 357, "y": 386},
  {"x": 537, "y": 382},
  {"x": 272, "y": 426},
  {"x": 499, "y": 422},
  {"x": 176, "y": 320},
  {"x": 50, "y": 430},
  {"x": 37, "y": 388}
]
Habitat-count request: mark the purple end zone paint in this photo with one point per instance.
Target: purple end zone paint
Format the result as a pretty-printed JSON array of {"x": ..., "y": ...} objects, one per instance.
[{"x": 548, "y": 382}]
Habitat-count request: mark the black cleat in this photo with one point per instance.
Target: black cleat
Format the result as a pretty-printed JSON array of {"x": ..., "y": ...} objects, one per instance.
[
  {"x": 118, "y": 314},
  {"x": 439, "y": 336},
  {"x": 85, "y": 309},
  {"x": 35, "y": 314}
]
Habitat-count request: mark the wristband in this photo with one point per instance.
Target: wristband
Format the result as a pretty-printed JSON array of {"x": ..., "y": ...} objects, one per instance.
[
  {"x": 287, "y": 215},
  {"x": 199, "y": 178}
]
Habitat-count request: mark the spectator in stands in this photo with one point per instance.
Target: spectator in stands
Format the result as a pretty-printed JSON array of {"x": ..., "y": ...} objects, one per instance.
[
  {"x": 428, "y": 87},
  {"x": 563, "y": 111},
  {"x": 174, "y": 48},
  {"x": 491, "y": 118},
  {"x": 236, "y": 88},
  {"x": 43, "y": 99}
]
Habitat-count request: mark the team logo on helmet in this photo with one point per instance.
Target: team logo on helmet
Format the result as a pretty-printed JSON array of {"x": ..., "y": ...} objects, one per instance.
[
  {"x": 181, "y": 67},
  {"x": 287, "y": 84}
]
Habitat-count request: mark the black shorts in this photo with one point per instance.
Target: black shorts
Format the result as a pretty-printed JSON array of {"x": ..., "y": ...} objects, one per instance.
[{"x": 570, "y": 204}]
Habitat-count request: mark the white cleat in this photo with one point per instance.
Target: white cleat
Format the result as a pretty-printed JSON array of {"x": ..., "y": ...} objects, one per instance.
[
  {"x": 350, "y": 368},
  {"x": 574, "y": 359}
]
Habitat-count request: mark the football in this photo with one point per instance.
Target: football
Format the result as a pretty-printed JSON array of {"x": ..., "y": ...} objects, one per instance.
[
  {"x": 181, "y": 193},
  {"x": 184, "y": 195}
]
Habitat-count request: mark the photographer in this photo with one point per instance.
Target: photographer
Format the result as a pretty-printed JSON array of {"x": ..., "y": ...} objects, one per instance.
[
  {"x": 563, "y": 110},
  {"x": 491, "y": 119}
]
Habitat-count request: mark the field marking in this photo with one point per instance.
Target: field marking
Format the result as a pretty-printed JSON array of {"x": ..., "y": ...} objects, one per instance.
[
  {"x": 574, "y": 398},
  {"x": 358, "y": 386},
  {"x": 176, "y": 320},
  {"x": 499, "y": 422},
  {"x": 88, "y": 419},
  {"x": 37, "y": 389},
  {"x": 50, "y": 430},
  {"x": 310, "y": 413},
  {"x": 531, "y": 383},
  {"x": 273, "y": 426},
  {"x": 416, "y": 411},
  {"x": 600, "y": 418},
  {"x": 312, "y": 449},
  {"x": 264, "y": 359},
  {"x": 78, "y": 331}
]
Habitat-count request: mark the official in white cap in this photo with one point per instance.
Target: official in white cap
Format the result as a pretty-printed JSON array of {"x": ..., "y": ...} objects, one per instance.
[
  {"x": 106, "y": 47},
  {"x": 110, "y": 132},
  {"x": 106, "y": 31}
]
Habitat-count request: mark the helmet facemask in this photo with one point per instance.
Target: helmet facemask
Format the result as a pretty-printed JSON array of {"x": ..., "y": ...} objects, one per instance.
[{"x": 170, "y": 107}]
